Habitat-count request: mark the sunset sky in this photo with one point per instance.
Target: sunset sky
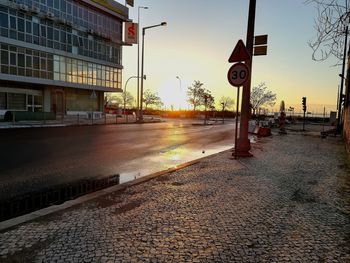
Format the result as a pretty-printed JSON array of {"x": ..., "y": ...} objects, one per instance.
[{"x": 200, "y": 36}]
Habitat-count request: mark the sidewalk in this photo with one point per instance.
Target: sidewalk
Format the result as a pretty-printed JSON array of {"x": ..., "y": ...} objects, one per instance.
[
  {"x": 288, "y": 203},
  {"x": 73, "y": 120}
]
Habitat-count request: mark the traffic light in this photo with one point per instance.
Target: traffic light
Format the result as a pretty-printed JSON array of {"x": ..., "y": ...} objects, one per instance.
[{"x": 304, "y": 103}]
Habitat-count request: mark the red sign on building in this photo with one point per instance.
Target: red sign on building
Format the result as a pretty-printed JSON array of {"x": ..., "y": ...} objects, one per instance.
[{"x": 131, "y": 30}]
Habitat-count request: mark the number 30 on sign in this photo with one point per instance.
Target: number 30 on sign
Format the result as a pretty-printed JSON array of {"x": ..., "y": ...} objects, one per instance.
[{"x": 238, "y": 74}]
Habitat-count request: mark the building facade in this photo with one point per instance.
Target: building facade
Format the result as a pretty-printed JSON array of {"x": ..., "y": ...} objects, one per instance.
[{"x": 59, "y": 56}]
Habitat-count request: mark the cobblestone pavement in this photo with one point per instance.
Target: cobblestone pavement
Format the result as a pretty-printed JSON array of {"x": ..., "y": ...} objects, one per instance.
[{"x": 289, "y": 203}]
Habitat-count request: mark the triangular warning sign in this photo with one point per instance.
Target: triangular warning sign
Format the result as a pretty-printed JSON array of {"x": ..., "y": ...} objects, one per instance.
[{"x": 239, "y": 53}]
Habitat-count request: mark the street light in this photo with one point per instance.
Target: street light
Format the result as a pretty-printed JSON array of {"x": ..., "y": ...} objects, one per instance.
[
  {"x": 180, "y": 89},
  {"x": 126, "y": 83},
  {"x": 142, "y": 63},
  {"x": 138, "y": 59}
]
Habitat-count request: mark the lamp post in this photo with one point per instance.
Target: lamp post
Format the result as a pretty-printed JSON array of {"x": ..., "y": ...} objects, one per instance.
[
  {"x": 180, "y": 89},
  {"x": 138, "y": 60},
  {"x": 126, "y": 83},
  {"x": 142, "y": 63}
]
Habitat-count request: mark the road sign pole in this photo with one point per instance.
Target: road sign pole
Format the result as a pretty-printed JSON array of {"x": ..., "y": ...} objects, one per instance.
[
  {"x": 236, "y": 132},
  {"x": 243, "y": 141}
]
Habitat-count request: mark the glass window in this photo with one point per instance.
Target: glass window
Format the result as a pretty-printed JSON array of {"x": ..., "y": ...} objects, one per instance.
[
  {"x": 20, "y": 58},
  {"x": 28, "y": 61},
  {"x": 13, "y": 59},
  {"x": 20, "y": 22},
  {"x": 36, "y": 40},
  {"x": 63, "y": 6},
  {"x": 56, "y": 35},
  {"x": 43, "y": 64},
  {"x": 50, "y": 43},
  {"x": 63, "y": 37},
  {"x": 36, "y": 73},
  {"x": 4, "y": 69},
  {"x": 50, "y": 33},
  {"x": 43, "y": 30},
  {"x": 62, "y": 77},
  {"x": 3, "y": 20},
  {"x": 17, "y": 101},
  {"x": 63, "y": 65},
  {"x": 74, "y": 67},
  {"x": 13, "y": 34},
  {"x": 75, "y": 11},
  {"x": 36, "y": 29},
  {"x": 13, "y": 22},
  {"x": 28, "y": 27},
  {"x": 4, "y": 32},
  {"x": 103, "y": 72},
  {"x": 4, "y": 57},
  {"x": 36, "y": 62},
  {"x": 56, "y": 4},
  {"x": 80, "y": 12},
  {"x": 95, "y": 19},
  {"x": 28, "y": 38},
  {"x": 86, "y": 14},
  {"x": 20, "y": 36},
  {"x": 69, "y": 8},
  {"x": 49, "y": 75},
  {"x": 69, "y": 66},
  {"x": 3, "y": 104},
  {"x": 90, "y": 17},
  {"x": 28, "y": 72},
  {"x": 49, "y": 65},
  {"x": 21, "y": 72},
  {"x": 56, "y": 63},
  {"x": 56, "y": 76}
]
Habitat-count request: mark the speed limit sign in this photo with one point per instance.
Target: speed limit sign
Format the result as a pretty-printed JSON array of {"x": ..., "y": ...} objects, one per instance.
[{"x": 238, "y": 74}]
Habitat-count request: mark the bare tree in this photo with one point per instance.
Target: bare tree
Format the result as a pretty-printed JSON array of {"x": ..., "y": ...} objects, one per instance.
[
  {"x": 199, "y": 96},
  {"x": 226, "y": 103},
  {"x": 261, "y": 96},
  {"x": 330, "y": 25},
  {"x": 195, "y": 94},
  {"x": 151, "y": 98},
  {"x": 207, "y": 100},
  {"x": 128, "y": 99},
  {"x": 113, "y": 99}
]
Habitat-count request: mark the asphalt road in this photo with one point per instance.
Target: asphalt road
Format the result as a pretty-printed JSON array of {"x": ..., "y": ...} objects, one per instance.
[{"x": 31, "y": 159}]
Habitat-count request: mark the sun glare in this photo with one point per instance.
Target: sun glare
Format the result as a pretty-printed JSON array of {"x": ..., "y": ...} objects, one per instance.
[{"x": 172, "y": 95}]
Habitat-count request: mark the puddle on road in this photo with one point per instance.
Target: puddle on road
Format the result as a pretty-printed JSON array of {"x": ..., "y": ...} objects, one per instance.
[
  {"x": 168, "y": 159},
  {"x": 171, "y": 157}
]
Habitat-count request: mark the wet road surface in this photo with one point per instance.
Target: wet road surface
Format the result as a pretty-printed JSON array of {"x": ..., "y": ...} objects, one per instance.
[{"x": 31, "y": 159}]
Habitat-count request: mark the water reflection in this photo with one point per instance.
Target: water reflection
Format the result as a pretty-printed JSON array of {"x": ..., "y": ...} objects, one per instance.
[
  {"x": 169, "y": 159},
  {"x": 178, "y": 145}
]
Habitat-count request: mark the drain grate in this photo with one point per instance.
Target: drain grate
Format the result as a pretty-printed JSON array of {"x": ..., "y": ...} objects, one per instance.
[{"x": 31, "y": 202}]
